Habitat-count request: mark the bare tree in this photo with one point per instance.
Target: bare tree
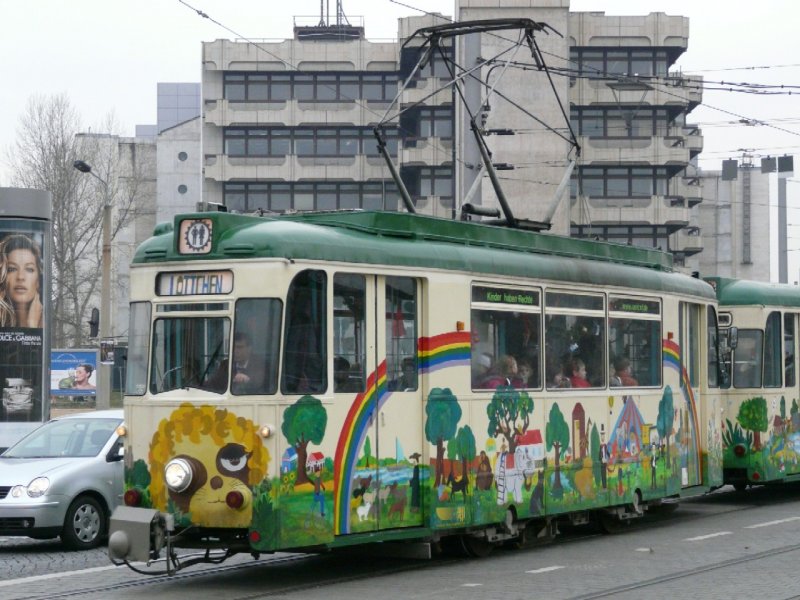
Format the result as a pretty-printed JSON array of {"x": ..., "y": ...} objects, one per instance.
[{"x": 47, "y": 143}]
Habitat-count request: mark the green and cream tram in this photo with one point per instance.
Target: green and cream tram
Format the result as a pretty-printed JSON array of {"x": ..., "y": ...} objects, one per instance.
[
  {"x": 319, "y": 380},
  {"x": 761, "y": 416}
]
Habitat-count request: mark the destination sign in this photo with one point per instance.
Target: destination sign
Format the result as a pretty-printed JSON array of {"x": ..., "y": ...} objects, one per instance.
[
  {"x": 634, "y": 305},
  {"x": 195, "y": 283},
  {"x": 497, "y": 295}
]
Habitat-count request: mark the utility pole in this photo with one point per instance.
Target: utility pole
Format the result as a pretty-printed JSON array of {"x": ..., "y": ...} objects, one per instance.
[{"x": 103, "y": 398}]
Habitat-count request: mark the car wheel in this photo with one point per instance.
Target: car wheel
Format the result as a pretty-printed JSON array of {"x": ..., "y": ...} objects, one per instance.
[{"x": 85, "y": 524}]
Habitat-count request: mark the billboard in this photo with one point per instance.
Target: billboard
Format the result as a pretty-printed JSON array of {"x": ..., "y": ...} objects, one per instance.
[
  {"x": 73, "y": 372},
  {"x": 24, "y": 299}
]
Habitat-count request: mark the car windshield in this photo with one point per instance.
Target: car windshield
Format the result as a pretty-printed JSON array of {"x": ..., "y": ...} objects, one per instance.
[{"x": 65, "y": 438}]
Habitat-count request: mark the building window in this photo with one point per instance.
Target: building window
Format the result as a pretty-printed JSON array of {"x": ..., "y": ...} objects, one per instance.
[
  {"x": 310, "y": 87},
  {"x": 615, "y": 122},
  {"x": 613, "y": 62},
  {"x": 428, "y": 181},
  {"x": 622, "y": 182},
  {"x": 182, "y": 189},
  {"x": 182, "y": 156},
  {"x": 306, "y": 141},
  {"x": 643, "y": 236},
  {"x": 305, "y": 195}
]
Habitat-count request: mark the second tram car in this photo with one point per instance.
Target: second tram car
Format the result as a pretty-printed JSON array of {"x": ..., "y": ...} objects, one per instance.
[
  {"x": 318, "y": 380},
  {"x": 761, "y": 420}
]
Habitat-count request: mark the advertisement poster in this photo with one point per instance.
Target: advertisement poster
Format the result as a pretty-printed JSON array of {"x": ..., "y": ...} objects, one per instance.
[
  {"x": 73, "y": 373},
  {"x": 22, "y": 281}
]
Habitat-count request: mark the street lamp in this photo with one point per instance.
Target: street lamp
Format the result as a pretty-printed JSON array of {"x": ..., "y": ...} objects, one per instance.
[{"x": 103, "y": 398}]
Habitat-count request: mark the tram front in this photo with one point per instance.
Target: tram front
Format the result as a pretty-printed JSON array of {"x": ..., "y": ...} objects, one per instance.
[{"x": 200, "y": 402}]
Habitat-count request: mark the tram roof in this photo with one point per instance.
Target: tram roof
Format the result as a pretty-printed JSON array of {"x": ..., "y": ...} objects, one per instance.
[
  {"x": 395, "y": 238},
  {"x": 741, "y": 292}
]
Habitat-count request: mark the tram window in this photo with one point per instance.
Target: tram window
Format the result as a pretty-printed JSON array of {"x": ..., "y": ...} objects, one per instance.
[
  {"x": 789, "y": 335},
  {"x": 773, "y": 355},
  {"x": 575, "y": 344},
  {"x": 634, "y": 352},
  {"x": 747, "y": 359},
  {"x": 256, "y": 339},
  {"x": 138, "y": 333},
  {"x": 714, "y": 364},
  {"x": 401, "y": 333},
  {"x": 349, "y": 346},
  {"x": 187, "y": 352},
  {"x": 304, "y": 355},
  {"x": 506, "y": 349}
]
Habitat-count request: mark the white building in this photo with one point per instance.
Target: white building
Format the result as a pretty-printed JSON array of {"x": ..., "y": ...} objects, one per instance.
[{"x": 288, "y": 125}]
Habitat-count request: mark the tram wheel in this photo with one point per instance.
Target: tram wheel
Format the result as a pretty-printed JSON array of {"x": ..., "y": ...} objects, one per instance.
[
  {"x": 477, "y": 547},
  {"x": 611, "y": 524},
  {"x": 522, "y": 539}
]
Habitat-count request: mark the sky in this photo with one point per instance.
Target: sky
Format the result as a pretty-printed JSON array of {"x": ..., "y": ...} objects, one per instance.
[{"x": 108, "y": 56}]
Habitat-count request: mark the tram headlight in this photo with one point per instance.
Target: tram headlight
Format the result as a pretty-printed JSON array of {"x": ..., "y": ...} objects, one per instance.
[{"x": 178, "y": 474}]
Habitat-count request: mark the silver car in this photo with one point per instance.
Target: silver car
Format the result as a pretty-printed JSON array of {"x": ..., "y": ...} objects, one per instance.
[{"x": 63, "y": 479}]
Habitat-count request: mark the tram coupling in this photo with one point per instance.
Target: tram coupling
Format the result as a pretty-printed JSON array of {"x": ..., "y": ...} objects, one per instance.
[{"x": 139, "y": 534}]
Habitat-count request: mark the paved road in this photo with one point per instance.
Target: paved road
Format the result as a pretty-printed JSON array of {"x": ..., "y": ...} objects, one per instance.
[{"x": 724, "y": 545}]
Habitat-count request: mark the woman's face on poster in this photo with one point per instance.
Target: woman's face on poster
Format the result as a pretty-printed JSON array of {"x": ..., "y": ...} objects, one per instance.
[
  {"x": 22, "y": 281},
  {"x": 81, "y": 376}
]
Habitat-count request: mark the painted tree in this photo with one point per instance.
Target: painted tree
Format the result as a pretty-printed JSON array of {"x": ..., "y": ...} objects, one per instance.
[
  {"x": 783, "y": 408},
  {"x": 753, "y": 417},
  {"x": 304, "y": 422},
  {"x": 509, "y": 414},
  {"x": 794, "y": 415},
  {"x": 443, "y": 413},
  {"x": 367, "y": 451},
  {"x": 596, "y": 464},
  {"x": 666, "y": 416},
  {"x": 465, "y": 449},
  {"x": 557, "y": 437}
]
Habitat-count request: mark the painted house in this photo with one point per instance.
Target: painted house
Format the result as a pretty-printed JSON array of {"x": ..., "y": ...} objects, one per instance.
[
  {"x": 316, "y": 460},
  {"x": 289, "y": 460}
]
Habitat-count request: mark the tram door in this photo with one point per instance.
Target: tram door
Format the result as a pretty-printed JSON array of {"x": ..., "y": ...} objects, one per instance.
[
  {"x": 398, "y": 427},
  {"x": 686, "y": 401}
]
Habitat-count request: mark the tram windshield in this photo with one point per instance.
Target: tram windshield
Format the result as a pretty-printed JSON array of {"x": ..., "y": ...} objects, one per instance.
[{"x": 190, "y": 352}]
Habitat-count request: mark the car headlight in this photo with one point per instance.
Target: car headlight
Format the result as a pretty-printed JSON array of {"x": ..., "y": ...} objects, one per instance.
[
  {"x": 178, "y": 474},
  {"x": 38, "y": 487},
  {"x": 18, "y": 491}
]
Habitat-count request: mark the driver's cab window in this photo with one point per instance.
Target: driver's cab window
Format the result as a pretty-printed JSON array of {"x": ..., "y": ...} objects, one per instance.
[{"x": 256, "y": 339}]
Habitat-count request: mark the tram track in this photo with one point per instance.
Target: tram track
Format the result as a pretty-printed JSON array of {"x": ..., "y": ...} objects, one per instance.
[
  {"x": 723, "y": 564},
  {"x": 291, "y": 575},
  {"x": 107, "y": 590}
]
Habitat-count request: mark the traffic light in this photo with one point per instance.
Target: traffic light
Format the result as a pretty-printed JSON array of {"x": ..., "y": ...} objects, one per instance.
[{"x": 94, "y": 323}]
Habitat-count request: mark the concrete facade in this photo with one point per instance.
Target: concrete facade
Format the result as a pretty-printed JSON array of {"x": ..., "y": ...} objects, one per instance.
[
  {"x": 281, "y": 121},
  {"x": 738, "y": 224}
]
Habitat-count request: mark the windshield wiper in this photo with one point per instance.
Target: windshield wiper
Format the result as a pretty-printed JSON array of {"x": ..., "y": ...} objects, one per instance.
[{"x": 200, "y": 380}]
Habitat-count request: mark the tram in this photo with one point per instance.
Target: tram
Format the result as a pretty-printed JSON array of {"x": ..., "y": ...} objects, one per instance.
[
  {"x": 761, "y": 434},
  {"x": 310, "y": 381}
]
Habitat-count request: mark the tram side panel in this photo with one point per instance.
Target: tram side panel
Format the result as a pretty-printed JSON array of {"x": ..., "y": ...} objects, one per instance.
[
  {"x": 761, "y": 417},
  {"x": 555, "y": 451}
]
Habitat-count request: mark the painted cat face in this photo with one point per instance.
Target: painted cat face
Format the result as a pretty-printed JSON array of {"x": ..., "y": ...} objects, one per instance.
[
  {"x": 214, "y": 478},
  {"x": 226, "y": 456}
]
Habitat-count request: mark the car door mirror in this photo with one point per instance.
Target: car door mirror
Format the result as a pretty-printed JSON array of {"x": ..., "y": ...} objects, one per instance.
[{"x": 117, "y": 452}]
